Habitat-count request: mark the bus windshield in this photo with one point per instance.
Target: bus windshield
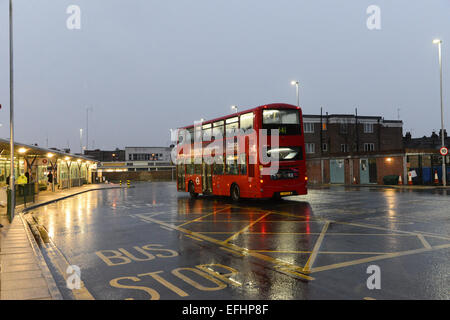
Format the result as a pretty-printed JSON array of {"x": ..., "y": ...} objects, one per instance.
[{"x": 286, "y": 121}]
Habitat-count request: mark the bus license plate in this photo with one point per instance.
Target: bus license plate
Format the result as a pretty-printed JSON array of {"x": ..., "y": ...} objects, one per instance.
[{"x": 285, "y": 193}]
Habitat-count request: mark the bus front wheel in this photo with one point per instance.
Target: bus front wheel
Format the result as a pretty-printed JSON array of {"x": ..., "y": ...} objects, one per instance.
[
  {"x": 192, "y": 192},
  {"x": 235, "y": 192}
]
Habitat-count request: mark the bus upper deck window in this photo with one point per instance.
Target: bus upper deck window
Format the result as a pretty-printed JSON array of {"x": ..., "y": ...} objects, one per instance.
[{"x": 246, "y": 121}]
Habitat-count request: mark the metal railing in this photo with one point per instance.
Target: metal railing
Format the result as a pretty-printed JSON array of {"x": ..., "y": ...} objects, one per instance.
[{"x": 24, "y": 193}]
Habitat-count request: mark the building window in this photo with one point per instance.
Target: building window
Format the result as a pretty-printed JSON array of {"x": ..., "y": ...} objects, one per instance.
[
  {"x": 325, "y": 147},
  {"x": 344, "y": 147},
  {"x": 310, "y": 147},
  {"x": 369, "y": 147},
  {"x": 308, "y": 127},
  {"x": 368, "y": 127},
  {"x": 343, "y": 128}
]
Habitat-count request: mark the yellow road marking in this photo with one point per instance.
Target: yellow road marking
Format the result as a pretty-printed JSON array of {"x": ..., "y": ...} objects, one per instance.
[
  {"x": 381, "y": 257},
  {"x": 316, "y": 248},
  {"x": 243, "y": 251},
  {"x": 192, "y": 237},
  {"x": 321, "y": 252},
  {"x": 376, "y": 227},
  {"x": 61, "y": 263},
  {"x": 232, "y": 251},
  {"x": 234, "y": 236},
  {"x": 295, "y": 273},
  {"x": 204, "y": 216},
  {"x": 433, "y": 235},
  {"x": 314, "y": 233},
  {"x": 424, "y": 242}
]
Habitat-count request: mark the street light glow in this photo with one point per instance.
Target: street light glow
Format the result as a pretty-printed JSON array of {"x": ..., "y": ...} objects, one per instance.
[
  {"x": 67, "y": 158},
  {"x": 49, "y": 155},
  {"x": 235, "y": 108},
  {"x": 294, "y": 82},
  {"x": 436, "y": 41},
  {"x": 22, "y": 150}
]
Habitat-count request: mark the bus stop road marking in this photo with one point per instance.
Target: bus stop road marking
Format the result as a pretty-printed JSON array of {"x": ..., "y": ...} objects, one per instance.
[
  {"x": 243, "y": 251},
  {"x": 321, "y": 252},
  {"x": 232, "y": 251},
  {"x": 192, "y": 237},
  {"x": 379, "y": 257},
  {"x": 424, "y": 242},
  {"x": 204, "y": 216},
  {"x": 234, "y": 236},
  {"x": 315, "y": 251}
]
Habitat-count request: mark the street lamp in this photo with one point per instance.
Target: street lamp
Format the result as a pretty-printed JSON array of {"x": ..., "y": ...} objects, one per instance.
[
  {"x": 235, "y": 108},
  {"x": 87, "y": 126},
  {"x": 81, "y": 141},
  {"x": 296, "y": 83},
  {"x": 11, "y": 112},
  {"x": 444, "y": 173}
]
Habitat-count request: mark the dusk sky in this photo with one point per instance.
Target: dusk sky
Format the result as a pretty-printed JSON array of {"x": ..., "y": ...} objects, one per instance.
[{"x": 147, "y": 66}]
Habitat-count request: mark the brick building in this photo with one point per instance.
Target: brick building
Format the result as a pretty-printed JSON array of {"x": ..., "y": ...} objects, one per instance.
[
  {"x": 342, "y": 148},
  {"x": 424, "y": 158},
  {"x": 348, "y": 134},
  {"x": 432, "y": 142}
]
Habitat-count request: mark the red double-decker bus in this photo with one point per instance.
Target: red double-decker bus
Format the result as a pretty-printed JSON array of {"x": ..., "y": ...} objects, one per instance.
[{"x": 226, "y": 156}]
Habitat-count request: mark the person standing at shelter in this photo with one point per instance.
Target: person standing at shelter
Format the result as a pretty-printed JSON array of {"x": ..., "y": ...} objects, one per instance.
[
  {"x": 22, "y": 180},
  {"x": 50, "y": 180}
]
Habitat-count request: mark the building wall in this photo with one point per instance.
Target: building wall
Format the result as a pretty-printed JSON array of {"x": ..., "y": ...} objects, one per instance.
[
  {"x": 386, "y": 135},
  {"x": 107, "y": 156},
  {"x": 313, "y": 169},
  {"x": 386, "y": 168},
  {"x": 352, "y": 168},
  {"x": 148, "y": 154},
  {"x": 140, "y": 176}
]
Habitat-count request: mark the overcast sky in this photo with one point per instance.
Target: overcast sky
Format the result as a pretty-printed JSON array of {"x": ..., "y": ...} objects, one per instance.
[{"x": 145, "y": 66}]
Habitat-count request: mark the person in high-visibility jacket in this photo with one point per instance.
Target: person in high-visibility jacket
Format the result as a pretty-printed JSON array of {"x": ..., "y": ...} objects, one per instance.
[{"x": 22, "y": 179}]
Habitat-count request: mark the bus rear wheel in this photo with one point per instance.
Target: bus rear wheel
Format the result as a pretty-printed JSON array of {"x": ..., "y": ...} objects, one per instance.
[
  {"x": 235, "y": 193},
  {"x": 192, "y": 192}
]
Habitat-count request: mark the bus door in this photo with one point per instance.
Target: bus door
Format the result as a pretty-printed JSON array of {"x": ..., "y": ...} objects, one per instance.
[
  {"x": 207, "y": 177},
  {"x": 180, "y": 177}
]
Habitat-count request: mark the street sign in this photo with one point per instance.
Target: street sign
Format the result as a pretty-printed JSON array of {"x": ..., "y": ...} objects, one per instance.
[{"x": 443, "y": 151}]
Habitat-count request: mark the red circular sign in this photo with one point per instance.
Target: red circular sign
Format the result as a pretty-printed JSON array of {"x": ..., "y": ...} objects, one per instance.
[
  {"x": 443, "y": 151},
  {"x": 44, "y": 161}
]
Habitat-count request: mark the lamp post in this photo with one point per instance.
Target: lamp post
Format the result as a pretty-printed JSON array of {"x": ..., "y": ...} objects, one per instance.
[
  {"x": 444, "y": 173},
  {"x": 81, "y": 141},
  {"x": 296, "y": 83},
  {"x": 11, "y": 111},
  {"x": 87, "y": 126}
]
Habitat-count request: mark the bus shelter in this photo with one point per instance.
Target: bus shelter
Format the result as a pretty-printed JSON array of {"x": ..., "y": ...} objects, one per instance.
[{"x": 38, "y": 164}]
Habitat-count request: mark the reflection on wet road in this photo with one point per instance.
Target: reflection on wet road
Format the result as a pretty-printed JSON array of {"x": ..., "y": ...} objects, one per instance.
[{"x": 151, "y": 242}]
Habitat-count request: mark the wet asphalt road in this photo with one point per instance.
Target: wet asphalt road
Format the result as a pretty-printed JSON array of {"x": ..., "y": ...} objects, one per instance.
[{"x": 153, "y": 242}]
